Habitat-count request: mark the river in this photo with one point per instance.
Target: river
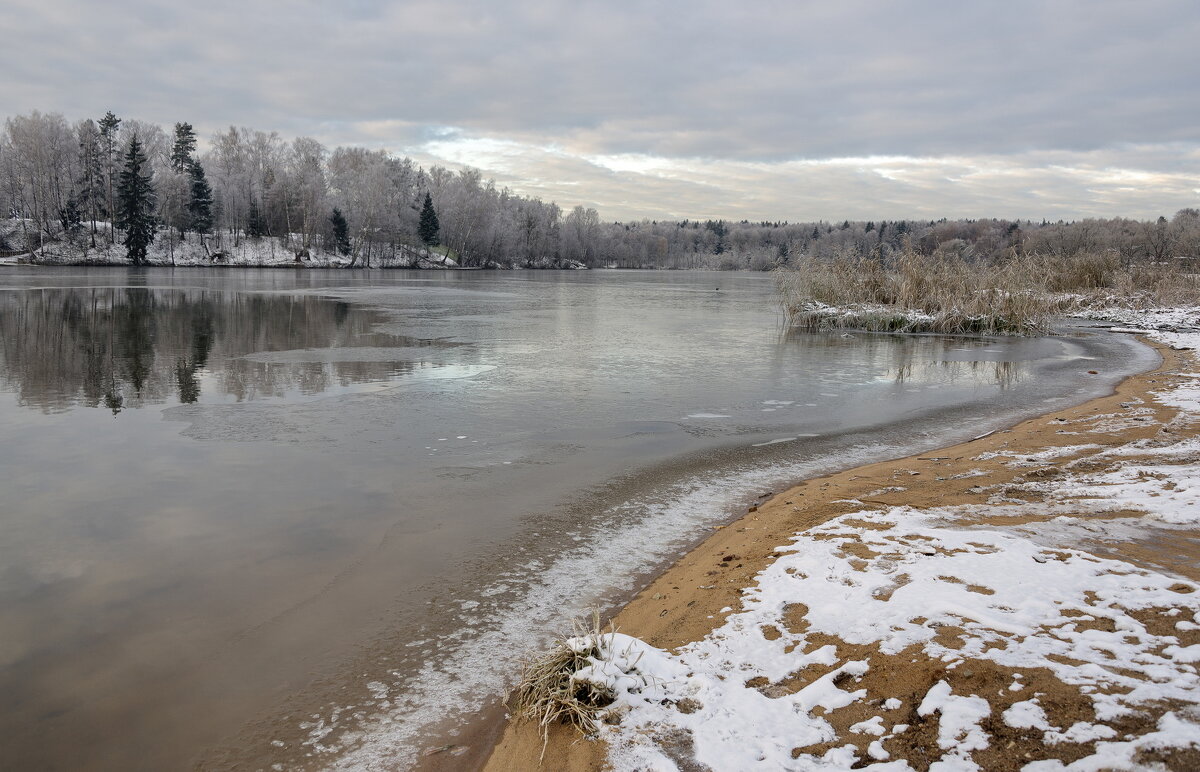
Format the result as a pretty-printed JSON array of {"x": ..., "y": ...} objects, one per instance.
[{"x": 312, "y": 518}]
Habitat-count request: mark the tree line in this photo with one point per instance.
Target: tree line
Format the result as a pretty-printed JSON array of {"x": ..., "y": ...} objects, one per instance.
[
  {"x": 96, "y": 183},
  {"x": 73, "y": 187}
]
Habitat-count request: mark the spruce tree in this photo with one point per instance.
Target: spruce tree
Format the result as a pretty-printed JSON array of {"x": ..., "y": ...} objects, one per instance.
[
  {"x": 185, "y": 145},
  {"x": 256, "y": 224},
  {"x": 341, "y": 232},
  {"x": 70, "y": 216},
  {"x": 201, "y": 203},
  {"x": 429, "y": 228},
  {"x": 135, "y": 203}
]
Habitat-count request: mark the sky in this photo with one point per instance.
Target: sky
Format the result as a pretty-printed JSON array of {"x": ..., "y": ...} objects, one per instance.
[{"x": 657, "y": 109}]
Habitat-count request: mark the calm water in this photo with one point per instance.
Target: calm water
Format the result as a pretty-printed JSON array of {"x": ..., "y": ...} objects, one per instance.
[{"x": 255, "y": 517}]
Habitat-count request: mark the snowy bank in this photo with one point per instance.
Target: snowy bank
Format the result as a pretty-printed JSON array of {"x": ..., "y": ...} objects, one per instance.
[{"x": 270, "y": 252}]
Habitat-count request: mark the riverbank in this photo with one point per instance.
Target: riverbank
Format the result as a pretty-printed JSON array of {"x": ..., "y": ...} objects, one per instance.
[
  {"x": 1007, "y": 600},
  {"x": 169, "y": 250}
]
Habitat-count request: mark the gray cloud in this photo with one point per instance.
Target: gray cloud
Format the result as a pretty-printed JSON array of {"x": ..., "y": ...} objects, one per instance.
[{"x": 736, "y": 91}]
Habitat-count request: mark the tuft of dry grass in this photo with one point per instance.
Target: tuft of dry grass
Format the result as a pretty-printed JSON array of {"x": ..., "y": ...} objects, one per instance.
[{"x": 548, "y": 691}]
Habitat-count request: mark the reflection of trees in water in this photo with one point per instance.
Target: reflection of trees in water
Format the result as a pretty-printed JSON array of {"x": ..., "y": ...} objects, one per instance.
[
  {"x": 128, "y": 346},
  {"x": 904, "y": 358}
]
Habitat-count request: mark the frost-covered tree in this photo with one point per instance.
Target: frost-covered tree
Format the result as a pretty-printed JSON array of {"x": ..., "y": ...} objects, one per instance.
[
  {"x": 135, "y": 202},
  {"x": 581, "y": 229},
  {"x": 173, "y": 192},
  {"x": 306, "y": 187},
  {"x": 40, "y": 171},
  {"x": 365, "y": 184}
]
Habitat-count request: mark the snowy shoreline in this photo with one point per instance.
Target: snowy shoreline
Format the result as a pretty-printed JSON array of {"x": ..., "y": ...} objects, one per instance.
[
  {"x": 938, "y": 630},
  {"x": 169, "y": 251}
]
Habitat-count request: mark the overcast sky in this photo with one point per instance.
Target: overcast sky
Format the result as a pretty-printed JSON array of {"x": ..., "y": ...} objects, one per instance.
[{"x": 761, "y": 110}]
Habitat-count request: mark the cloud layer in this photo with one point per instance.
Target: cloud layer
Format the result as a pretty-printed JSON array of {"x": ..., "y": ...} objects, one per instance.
[{"x": 778, "y": 110}]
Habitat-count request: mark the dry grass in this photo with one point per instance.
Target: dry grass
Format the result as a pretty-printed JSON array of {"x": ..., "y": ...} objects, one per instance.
[
  {"x": 947, "y": 293},
  {"x": 1148, "y": 285},
  {"x": 549, "y": 693},
  {"x": 915, "y": 293}
]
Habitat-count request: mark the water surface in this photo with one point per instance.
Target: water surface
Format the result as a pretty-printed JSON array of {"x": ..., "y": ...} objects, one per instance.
[{"x": 309, "y": 518}]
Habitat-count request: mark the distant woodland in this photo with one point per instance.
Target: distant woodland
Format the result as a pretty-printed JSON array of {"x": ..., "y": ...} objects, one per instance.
[{"x": 118, "y": 189}]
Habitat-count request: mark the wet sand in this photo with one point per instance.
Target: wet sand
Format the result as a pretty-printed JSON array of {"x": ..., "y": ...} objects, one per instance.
[{"x": 677, "y": 608}]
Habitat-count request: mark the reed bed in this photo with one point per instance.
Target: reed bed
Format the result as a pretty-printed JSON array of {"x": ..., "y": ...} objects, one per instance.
[{"x": 950, "y": 294}]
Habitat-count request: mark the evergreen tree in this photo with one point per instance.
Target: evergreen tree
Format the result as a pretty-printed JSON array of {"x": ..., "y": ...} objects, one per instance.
[
  {"x": 185, "y": 145},
  {"x": 200, "y": 206},
  {"x": 429, "y": 228},
  {"x": 91, "y": 171},
  {"x": 341, "y": 232},
  {"x": 71, "y": 217},
  {"x": 135, "y": 203},
  {"x": 108, "y": 140},
  {"x": 256, "y": 224}
]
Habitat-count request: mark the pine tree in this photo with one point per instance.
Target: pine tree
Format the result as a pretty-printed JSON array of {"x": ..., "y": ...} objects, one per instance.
[
  {"x": 256, "y": 224},
  {"x": 200, "y": 206},
  {"x": 185, "y": 145},
  {"x": 108, "y": 138},
  {"x": 429, "y": 228},
  {"x": 135, "y": 203},
  {"x": 91, "y": 171},
  {"x": 341, "y": 232}
]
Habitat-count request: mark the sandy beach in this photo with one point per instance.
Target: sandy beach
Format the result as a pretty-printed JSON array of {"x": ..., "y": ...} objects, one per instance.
[{"x": 997, "y": 485}]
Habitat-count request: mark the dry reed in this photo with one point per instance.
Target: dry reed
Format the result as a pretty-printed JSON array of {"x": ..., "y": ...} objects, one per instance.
[{"x": 947, "y": 293}]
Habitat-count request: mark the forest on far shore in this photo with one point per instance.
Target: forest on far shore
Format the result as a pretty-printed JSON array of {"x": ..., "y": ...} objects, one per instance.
[{"x": 83, "y": 191}]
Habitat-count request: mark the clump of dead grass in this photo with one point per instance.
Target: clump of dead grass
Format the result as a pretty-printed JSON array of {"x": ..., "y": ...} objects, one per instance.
[{"x": 549, "y": 691}]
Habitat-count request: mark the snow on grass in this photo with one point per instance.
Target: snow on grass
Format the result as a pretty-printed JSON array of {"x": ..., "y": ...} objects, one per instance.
[
  {"x": 1157, "y": 319},
  {"x": 939, "y": 584}
]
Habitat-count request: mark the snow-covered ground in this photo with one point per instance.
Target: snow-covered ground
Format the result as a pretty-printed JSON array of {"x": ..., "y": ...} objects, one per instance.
[{"x": 1021, "y": 637}]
